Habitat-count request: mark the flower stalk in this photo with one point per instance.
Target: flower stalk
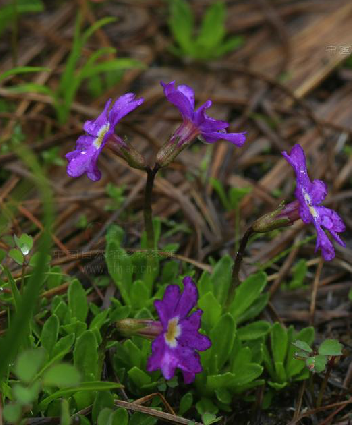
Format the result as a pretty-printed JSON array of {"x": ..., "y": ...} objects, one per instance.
[{"x": 148, "y": 213}]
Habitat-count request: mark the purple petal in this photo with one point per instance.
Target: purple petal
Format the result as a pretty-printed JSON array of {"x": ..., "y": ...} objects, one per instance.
[
  {"x": 84, "y": 142},
  {"x": 317, "y": 191},
  {"x": 178, "y": 99},
  {"x": 330, "y": 219},
  {"x": 93, "y": 127},
  {"x": 196, "y": 341},
  {"x": 297, "y": 160},
  {"x": 304, "y": 210},
  {"x": 192, "y": 323},
  {"x": 162, "y": 358},
  {"x": 200, "y": 116},
  {"x": 188, "y": 92},
  {"x": 83, "y": 161},
  {"x": 158, "y": 348},
  {"x": 166, "y": 306},
  {"x": 123, "y": 106},
  {"x": 237, "y": 139},
  {"x": 324, "y": 243},
  {"x": 188, "y": 359},
  {"x": 212, "y": 125},
  {"x": 188, "y": 298}
]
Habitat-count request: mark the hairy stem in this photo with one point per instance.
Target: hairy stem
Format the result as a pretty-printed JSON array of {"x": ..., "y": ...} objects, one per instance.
[
  {"x": 148, "y": 213},
  {"x": 236, "y": 267}
]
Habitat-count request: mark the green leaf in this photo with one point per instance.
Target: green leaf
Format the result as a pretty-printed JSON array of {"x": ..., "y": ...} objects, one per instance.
[
  {"x": 32, "y": 88},
  {"x": 104, "y": 415},
  {"x": 299, "y": 274},
  {"x": 236, "y": 194},
  {"x": 50, "y": 333},
  {"x": 26, "y": 395},
  {"x": 75, "y": 327},
  {"x": 24, "y": 243},
  {"x": 181, "y": 24},
  {"x": 222, "y": 337},
  {"x": 278, "y": 386},
  {"x": 302, "y": 346},
  {"x": 63, "y": 346},
  {"x": 319, "y": 363},
  {"x": 223, "y": 395},
  {"x": 224, "y": 380},
  {"x": 118, "y": 417},
  {"x": 254, "y": 330},
  {"x": 248, "y": 374},
  {"x": 65, "y": 418},
  {"x": 139, "y": 294},
  {"x": 77, "y": 301},
  {"x": 133, "y": 352},
  {"x": 84, "y": 386},
  {"x": 139, "y": 377},
  {"x": 278, "y": 342},
  {"x": 221, "y": 278},
  {"x": 118, "y": 262},
  {"x": 219, "y": 189},
  {"x": 330, "y": 347},
  {"x": 295, "y": 366},
  {"x": 12, "y": 412},
  {"x": 211, "y": 310},
  {"x": 248, "y": 291},
  {"x": 61, "y": 375},
  {"x": 103, "y": 399},
  {"x": 227, "y": 46},
  {"x": 17, "y": 256},
  {"x": 210, "y": 418},
  {"x": 204, "y": 284},
  {"x": 28, "y": 364},
  {"x": 280, "y": 372},
  {"x": 15, "y": 292},
  {"x": 20, "y": 69},
  {"x": 185, "y": 403},
  {"x": 205, "y": 405},
  {"x": 85, "y": 355},
  {"x": 99, "y": 320},
  {"x": 112, "y": 65},
  {"x": 212, "y": 30}
]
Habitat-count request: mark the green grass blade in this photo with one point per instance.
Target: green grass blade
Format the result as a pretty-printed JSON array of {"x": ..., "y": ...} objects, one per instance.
[{"x": 21, "y": 320}]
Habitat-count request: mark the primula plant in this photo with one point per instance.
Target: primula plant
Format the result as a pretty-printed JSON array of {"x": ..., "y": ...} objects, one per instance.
[{"x": 160, "y": 321}]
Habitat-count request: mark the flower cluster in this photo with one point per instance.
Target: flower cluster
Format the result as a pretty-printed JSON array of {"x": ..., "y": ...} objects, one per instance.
[
  {"x": 101, "y": 132},
  {"x": 176, "y": 345}
]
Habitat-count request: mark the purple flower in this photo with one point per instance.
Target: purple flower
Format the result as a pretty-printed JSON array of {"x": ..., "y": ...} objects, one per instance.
[
  {"x": 310, "y": 195},
  {"x": 177, "y": 344},
  {"x": 196, "y": 122},
  {"x": 88, "y": 147}
]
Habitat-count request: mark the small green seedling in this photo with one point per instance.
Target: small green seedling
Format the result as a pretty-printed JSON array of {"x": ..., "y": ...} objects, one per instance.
[
  {"x": 210, "y": 42},
  {"x": 316, "y": 361}
]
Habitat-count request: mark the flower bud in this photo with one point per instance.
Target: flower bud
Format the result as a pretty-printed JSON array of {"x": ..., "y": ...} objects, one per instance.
[
  {"x": 142, "y": 327},
  {"x": 283, "y": 216},
  {"x": 183, "y": 136},
  {"x": 126, "y": 151}
]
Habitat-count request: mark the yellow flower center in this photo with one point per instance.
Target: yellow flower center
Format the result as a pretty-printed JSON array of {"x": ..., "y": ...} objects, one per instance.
[
  {"x": 98, "y": 141},
  {"x": 173, "y": 331},
  {"x": 312, "y": 210}
]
